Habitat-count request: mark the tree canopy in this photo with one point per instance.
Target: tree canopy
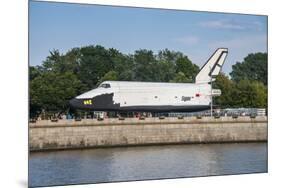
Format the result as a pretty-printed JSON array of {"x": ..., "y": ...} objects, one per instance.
[
  {"x": 254, "y": 68},
  {"x": 245, "y": 93}
]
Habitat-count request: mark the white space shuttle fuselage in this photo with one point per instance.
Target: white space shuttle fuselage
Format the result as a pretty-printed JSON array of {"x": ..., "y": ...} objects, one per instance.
[{"x": 155, "y": 96}]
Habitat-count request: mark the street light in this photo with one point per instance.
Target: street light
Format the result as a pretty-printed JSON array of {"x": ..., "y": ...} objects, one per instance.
[{"x": 211, "y": 91}]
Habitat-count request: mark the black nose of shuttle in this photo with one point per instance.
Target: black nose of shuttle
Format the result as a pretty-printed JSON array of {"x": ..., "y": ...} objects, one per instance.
[
  {"x": 74, "y": 103},
  {"x": 81, "y": 103}
]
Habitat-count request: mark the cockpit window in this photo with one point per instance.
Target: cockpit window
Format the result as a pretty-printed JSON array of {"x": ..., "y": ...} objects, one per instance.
[{"x": 105, "y": 85}]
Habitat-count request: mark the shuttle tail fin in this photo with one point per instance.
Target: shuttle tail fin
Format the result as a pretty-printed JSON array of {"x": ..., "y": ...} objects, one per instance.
[{"x": 212, "y": 67}]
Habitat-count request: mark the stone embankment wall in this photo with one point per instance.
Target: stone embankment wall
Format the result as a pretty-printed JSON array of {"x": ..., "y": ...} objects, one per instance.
[{"x": 70, "y": 134}]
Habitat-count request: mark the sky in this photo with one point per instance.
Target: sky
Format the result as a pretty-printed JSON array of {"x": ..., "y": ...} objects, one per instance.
[{"x": 196, "y": 34}]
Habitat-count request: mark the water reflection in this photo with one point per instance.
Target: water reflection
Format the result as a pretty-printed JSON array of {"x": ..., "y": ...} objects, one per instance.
[{"x": 134, "y": 163}]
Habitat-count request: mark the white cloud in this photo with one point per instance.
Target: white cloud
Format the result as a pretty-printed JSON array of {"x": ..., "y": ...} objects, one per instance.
[
  {"x": 245, "y": 42},
  {"x": 188, "y": 40},
  {"x": 222, "y": 24},
  {"x": 231, "y": 24}
]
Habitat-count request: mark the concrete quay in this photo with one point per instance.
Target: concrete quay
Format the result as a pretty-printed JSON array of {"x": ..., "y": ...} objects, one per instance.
[{"x": 90, "y": 133}]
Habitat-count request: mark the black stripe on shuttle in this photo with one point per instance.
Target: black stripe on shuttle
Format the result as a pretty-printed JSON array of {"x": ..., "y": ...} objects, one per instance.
[
  {"x": 165, "y": 108},
  {"x": 106, "y": 104}
]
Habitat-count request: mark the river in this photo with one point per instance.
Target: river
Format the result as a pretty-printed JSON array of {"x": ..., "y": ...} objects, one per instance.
[{"x": 147, "y": 162}]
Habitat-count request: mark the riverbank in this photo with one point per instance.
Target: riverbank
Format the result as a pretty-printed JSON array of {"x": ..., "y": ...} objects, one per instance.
[{"x": 70, "y": 134}]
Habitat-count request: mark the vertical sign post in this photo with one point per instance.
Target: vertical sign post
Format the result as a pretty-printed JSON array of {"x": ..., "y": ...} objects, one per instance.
[{"x": 211, "y": 92}]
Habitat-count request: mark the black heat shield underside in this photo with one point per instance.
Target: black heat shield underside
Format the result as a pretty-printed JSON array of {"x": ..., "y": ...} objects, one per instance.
[{"x": 105, "y": 103}]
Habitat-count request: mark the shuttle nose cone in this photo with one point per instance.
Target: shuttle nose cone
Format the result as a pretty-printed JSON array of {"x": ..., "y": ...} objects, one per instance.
[{"x": 74, "y": 103}]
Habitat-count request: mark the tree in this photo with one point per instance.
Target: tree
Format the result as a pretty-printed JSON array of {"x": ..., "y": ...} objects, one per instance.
[
  {"x": 254, "y": 68},
  {"x": 164, "y": 71},
  {"x": 51, "y": 60},
  {"x": 60, "y": 63},
  {"x": 169, "y": 56},
  {"x": 143, "y": 62},
  {"x": 35, "y": 71},
  {"x": 52, "y": 91},
  {"x": 181, "y": 78},
  {"x": 123, "y": 65},
  {"x": 250, "y": 94},
  {"x": 109, "y": 76},
  {"x": 245, "y": 93},
  {"x": 95, "y": 61},
  {"x": 184, "y": 65},
  {"x": 227, "y": 88}
]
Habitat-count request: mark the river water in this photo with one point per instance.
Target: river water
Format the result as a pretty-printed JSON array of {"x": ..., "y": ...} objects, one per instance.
[{"x": 147, "y": 162}]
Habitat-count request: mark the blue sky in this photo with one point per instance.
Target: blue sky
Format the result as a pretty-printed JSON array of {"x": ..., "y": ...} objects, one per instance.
[{"x": 196, "y": 34}]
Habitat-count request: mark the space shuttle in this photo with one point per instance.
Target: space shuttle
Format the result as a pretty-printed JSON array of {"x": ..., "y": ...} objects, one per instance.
[{"x": 156, "y": 96}]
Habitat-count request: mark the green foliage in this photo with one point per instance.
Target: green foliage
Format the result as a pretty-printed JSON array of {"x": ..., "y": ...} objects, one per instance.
[
  {"x": 123, "y": 65},
  {"x": 51, "y": 91},
  {"x": 111, "y": 76},
  {"x": 164, "y": 71},
  {"x": 144, "y": 65},
  {"x": 254, "y": 68},
  {"x": 52, "y": 61},
  {"x": 184, "y": 65},
  {"x": 176, "y": 67},
  {"x": 35, "y": 72},
  {"x": 250, "y": 94},
  {"x": 95, "y": 61},
  {"x": 245, "y": 93},
  {"x": 181, "y": 78},
  {"x": 227, "y": 88},
  {"x": 169, "y": 56}
]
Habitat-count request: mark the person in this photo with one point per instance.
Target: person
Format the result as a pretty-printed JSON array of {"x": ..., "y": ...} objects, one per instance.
[
  {"x": 68, "y": 116},
  {"x": 63, "y": 116}
]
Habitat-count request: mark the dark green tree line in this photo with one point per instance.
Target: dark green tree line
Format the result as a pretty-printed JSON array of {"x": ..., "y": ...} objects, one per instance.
[
  {"x": 254, "y": 68},
  {"x": 248, "y": 84}
]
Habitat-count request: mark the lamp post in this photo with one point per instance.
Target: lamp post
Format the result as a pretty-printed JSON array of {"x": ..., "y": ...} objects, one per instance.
[
  {"x": 211, "y": 92},
  {"x": 211, "y": 96}
]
